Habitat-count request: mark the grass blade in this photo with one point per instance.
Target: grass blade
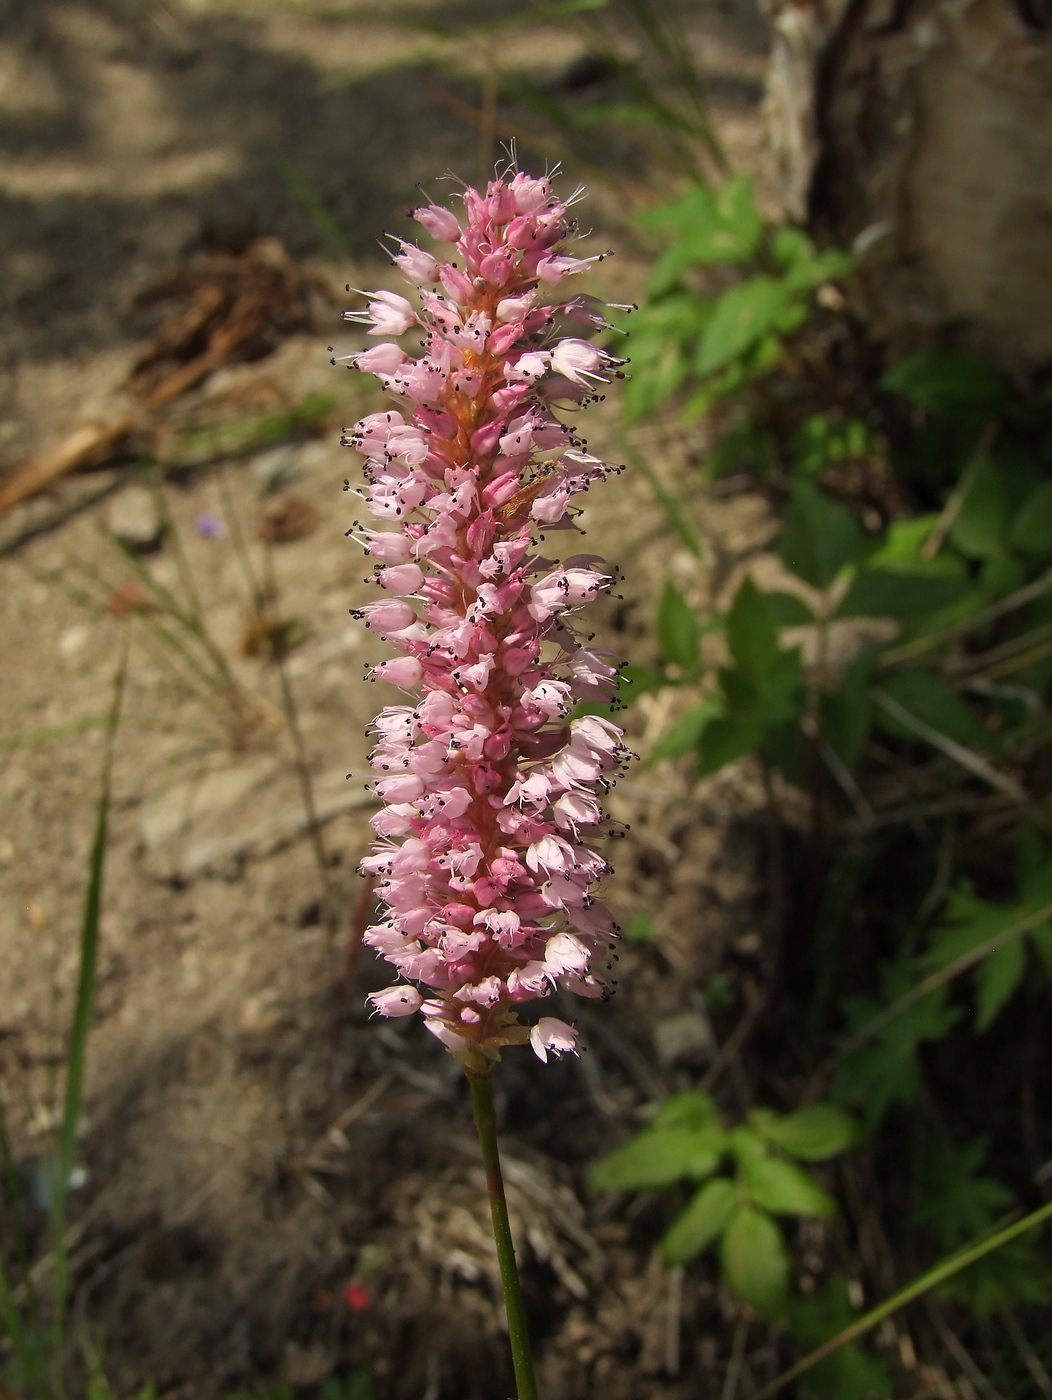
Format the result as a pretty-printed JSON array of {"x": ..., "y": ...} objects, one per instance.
[
  {"x": 927, "y": 1281},
  {"x": 76, "y": 1053}
]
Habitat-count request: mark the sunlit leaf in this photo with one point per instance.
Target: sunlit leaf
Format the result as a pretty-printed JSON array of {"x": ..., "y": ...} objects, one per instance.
[
  {"x": 754, "y": 1260},
  {"x": 740, "y": 317},
  {"x": 689, "y": 1109},
  {"x": 657, "y": 1157},
  {"x": 700, "y": 1223},
  {"x": 784, "y": 1188},
  {"x": 813, "y": 1133}
]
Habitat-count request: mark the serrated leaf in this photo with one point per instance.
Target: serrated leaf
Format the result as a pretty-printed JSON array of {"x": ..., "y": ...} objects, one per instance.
[
  {"x": 700, "y": 1223},
  {"x": 657, "y": 1157},
  {"x": 784, "y": 1188},
  {"x": 813, "y": 1133},
  {"x": 820, "y": 536},
  {"x": 740, "y": 318},
  {"x": 956, "y": 1202},
  {"x": 996, "y": 979},
  {"x": 678, "y": 628},
  {"x": 754, "y": 1261},
  {"x": 850, "y": 1373},
  {"x": 1012, "y": 1276},
  {"x": 885, "y": 1071}
]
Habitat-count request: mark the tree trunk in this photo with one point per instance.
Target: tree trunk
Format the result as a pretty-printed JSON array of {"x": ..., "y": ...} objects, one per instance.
[{"x": 920, "y": 131}]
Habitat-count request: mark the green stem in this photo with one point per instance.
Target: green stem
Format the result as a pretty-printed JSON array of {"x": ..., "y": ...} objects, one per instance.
[{"x": 486, "y": 1123}]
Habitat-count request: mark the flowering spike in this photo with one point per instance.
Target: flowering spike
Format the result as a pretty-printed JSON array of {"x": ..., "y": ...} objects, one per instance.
[{"x": 488, "y": 783}]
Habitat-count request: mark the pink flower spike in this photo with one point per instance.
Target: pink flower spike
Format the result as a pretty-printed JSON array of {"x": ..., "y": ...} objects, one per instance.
[
  {"x": 551, "y": 1034},
  {"x": 487, "y": 885}
]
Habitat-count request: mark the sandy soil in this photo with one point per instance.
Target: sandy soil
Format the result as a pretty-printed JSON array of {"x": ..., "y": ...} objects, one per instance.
[{"x": 252, "y": 1143}]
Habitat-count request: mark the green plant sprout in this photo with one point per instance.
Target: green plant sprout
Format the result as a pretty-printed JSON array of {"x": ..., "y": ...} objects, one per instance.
[{"x": 686, "y": 1140}]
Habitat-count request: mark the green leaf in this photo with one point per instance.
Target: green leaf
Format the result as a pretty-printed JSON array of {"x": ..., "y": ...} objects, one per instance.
[
  {"x": 947, "y": 382},
  {"x": 981, "y": 524},
  {"x": 846, "y": 713},
  {"x": 690, "y": 1109},
  {"x": 997, "y": 978},
  {"x": 751, "y": 633},
  {"x": 725, "y": 740},
  {"x": 788, "y": 609},
  {"x": 969, "y": 922},
  {"x": 740, "y": 318},
  {"x": 784, "y": 1188},
  {"x": 657, "y": 1157},
  {"x": 746, "y": 1144},
  {"x": 1031, "y": 529},
  {"x": 762, "y": 690},
  {"x": 754, "y": 1261},
  {"x": 711, "y": 227},
  {"x": 700, "y": 1223},
  {"x": 931, "y": 698},
  {"x": 899, "y": 594},
  {"x": 885, "y": 1071},
  {"x": 955, "y": 1201},
  {"x": 1012, "y": 1276},
  {"x": 812, "y": 1133},
  {"x": 820, "y": 536},
  {"x": 678, "y": 629},
  {"x": 850, "y": 1373},
  {"x": 661, "y": 332},
  {"x": 687, "y": 731}
]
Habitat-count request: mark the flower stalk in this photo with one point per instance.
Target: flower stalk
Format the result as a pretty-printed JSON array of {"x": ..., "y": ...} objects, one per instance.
[{"x": 518, "y": 1334}]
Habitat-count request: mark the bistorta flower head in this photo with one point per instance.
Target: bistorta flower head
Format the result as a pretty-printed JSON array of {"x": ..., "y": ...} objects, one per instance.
[{"x": 491, "y": 790}]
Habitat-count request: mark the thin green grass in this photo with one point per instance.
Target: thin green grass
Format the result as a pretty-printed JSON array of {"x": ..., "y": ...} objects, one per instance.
[{"x": 76, "y": 1053}]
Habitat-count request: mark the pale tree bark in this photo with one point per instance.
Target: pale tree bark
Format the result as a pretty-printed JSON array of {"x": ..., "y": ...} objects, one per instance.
[{"x": 921, "y": 131}]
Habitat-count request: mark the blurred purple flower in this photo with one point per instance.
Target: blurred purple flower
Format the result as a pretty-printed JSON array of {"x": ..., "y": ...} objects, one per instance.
[{"x": 209, "y": 526}]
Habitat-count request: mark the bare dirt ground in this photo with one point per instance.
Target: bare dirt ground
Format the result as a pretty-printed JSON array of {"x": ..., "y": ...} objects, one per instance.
[{"x": 252, "y": 1142}]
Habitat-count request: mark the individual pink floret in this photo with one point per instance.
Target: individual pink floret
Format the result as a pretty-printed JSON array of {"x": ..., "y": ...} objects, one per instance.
[{"x": 490, "y": 784}]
